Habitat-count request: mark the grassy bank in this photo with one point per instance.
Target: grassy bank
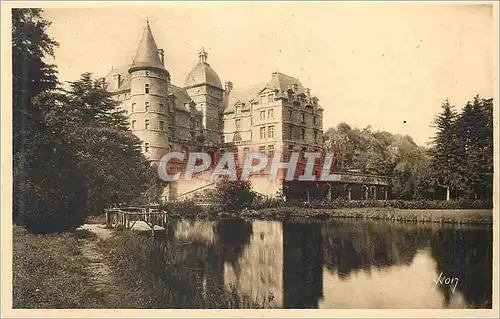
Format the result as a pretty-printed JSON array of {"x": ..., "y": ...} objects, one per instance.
[
  {"x": 285, "y": 212},
  {"x": 49, "y": 271},
  {"x": 449, "y": 216}
]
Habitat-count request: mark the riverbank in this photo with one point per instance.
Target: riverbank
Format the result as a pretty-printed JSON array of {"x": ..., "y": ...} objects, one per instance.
[
  {"x": 448, "y": 216},
  {"x": 442, "y": 216},
  {"x": 94, "y": 267}
]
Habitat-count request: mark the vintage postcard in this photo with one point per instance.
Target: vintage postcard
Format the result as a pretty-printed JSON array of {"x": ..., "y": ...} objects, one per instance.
[{"x": 230, "y": 159}]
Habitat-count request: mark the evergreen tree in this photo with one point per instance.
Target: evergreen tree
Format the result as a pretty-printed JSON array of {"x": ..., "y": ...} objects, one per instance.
[
  {"x": 445, "y": 151},
  {"x": 476, "y": 149},
  {"x": 109, "y": 155},
  {"x": 47, "y": 190},
  {"x": 30, "y": 74}
]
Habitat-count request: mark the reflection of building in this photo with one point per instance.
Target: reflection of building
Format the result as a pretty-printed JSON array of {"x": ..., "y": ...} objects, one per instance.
[
  {"x": 259, "y": 271},
  {"x": 281, "y": 261}
]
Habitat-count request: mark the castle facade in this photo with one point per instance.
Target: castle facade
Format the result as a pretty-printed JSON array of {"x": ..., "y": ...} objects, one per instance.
[{"x": 277, "y": 115}]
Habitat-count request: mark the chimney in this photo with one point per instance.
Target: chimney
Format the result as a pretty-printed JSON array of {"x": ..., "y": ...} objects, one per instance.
[
  {"x": 161, "y": 54},
  {"x": 228, "y": 86},
  {"x": 275, "y": 72},
  {"x": 118, "y": 79}
]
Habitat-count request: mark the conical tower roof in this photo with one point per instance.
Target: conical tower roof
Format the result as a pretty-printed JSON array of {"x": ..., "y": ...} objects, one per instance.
[{"x": 147, "y": 52}]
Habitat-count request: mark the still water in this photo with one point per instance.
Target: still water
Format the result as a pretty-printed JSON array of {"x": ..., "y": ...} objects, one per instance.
[{"x": 334, "y": 264}]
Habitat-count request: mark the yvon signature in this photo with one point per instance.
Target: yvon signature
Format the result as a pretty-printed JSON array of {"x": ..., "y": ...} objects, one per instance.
[{"x": 443, "y": 280}]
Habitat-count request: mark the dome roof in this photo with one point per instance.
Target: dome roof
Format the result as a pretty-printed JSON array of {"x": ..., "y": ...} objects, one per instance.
[{"x": 203, "y": 73}]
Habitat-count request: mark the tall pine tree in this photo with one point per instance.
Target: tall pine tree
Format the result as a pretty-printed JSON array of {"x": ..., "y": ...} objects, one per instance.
[{"x": 445, "y": 150}]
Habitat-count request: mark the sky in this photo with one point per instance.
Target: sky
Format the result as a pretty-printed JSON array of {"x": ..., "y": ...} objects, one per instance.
[{"x": 388, "y": 65}]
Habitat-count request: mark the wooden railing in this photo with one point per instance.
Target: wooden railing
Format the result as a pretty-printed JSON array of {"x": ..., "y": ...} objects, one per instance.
[{"x": 128, "y": 216}]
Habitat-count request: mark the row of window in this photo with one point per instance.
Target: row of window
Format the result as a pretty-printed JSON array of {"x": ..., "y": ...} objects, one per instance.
[
  {"x": 161, "y": 125},
  {"x": 262, "y": 149},
  {"x": 303, "y": 117},
  {"x": 147, "y": 107},
  {"x": 266, "y": 98},
  {"x": 302, "y": 134},
  {"x": 270, "y": 132}
]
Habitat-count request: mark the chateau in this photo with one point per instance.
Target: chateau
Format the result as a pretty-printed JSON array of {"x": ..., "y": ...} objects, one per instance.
[{"x": 279, "y": 115}]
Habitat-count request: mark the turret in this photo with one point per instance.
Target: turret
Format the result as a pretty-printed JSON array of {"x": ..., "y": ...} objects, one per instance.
[{"x": 148, "y": 97}]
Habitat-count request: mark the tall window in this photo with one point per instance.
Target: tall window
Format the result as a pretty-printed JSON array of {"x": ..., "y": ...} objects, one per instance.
[
  {"x": 262, "y": 97},
  {"x": 238, "y": 110},
  {"x": 290, "y": 148},
  {"x": 270, "y": 98},
  {"x": 315, "y": 136},
  {"x": 146, "y": 124},
  {"x": 302, "y": 118},
  {"x": 303, "y": 133},
  {"x": 270, "y": 131},
  {"x": 270, "y": 113},
  {"x": 237, "y": 123},
  {"x": 270, "y": 150},
  {"x": 146, "y": 88},
  {"x": 146, "y": 147},
  {"x": 262, "y": 115},
  {"x": 161, "y": 125},
  {"x": 162, "y": 108},
  {"x": 146, "y": 106},
  {"x": 315, "y": 121},
  {"x": 133, "y": 107},
  {"x": 133, "y": 124},
  {"x": 290, "y": 114},
  {"x": 262, "y": 149},
  {"x": 262, "y": 133}
]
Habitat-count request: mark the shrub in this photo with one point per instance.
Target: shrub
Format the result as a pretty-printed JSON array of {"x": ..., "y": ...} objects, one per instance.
[
  {"x": 234, "y": 195},
  {"x": 49, "y": 193}
]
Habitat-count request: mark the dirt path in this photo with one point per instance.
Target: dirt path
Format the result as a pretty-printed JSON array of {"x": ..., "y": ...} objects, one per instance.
[{"x": 103, "y": 279}]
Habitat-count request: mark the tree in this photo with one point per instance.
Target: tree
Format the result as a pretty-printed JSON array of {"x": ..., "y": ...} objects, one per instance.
[
  {"x": 116, "y": 171},
  {"x": 30, "y": 74},
  {"x": 445, "y": 159},
  {"x": 476, "y": 149},
  {"x": 46, "y": 190},
  {"x": 234, "y": 195}
]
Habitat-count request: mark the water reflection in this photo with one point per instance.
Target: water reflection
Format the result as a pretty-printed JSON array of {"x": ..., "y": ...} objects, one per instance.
[{"x": 338, "y": 264}]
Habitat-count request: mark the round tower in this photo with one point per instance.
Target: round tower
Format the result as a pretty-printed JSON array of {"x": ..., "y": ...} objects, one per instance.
[
  {"x": 205, "y": 89},
  {"x": 149, "y": 83}
]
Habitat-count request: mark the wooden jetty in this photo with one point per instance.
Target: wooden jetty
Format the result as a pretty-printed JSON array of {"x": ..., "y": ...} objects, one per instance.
[{"x": 127, "y": 217}]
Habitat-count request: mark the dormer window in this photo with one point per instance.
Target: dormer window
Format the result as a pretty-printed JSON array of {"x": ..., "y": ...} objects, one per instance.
[{"x": 146, "y": 88}]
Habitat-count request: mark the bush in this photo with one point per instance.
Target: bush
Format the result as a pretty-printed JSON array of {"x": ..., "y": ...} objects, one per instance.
[
  {"x": 49, "y": 193},
  {"x": 234, "y": 195},
  {"x": 184, "y": 208}
]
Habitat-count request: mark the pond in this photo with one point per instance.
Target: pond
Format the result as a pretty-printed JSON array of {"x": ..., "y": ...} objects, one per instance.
[{"x": 348, "y": 264}]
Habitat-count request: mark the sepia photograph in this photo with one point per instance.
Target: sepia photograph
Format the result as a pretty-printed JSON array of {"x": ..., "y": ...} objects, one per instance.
[{"x": 329, "y": 156}]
